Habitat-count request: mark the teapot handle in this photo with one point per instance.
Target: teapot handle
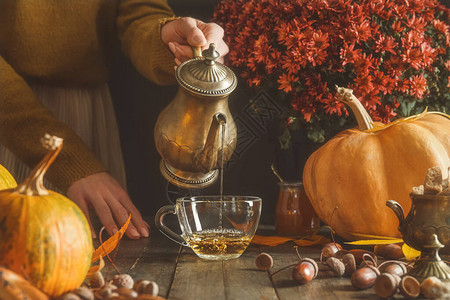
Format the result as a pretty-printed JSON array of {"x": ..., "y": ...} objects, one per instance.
[{"x": 398, "y": 210}]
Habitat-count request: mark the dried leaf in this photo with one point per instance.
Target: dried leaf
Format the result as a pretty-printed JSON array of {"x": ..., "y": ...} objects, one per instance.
[
  {"x": 410, "y": 253},
  {"x": 312, "y": 240},
  {"x": 96, "y": 268},
  {"x": 376, "y": 242},
  {"x": 111, "y": 243},
  {"x": 270, "y": 240}
]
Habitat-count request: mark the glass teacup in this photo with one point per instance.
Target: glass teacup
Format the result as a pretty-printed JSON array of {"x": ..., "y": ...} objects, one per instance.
[{"x": 215, "y": 227}]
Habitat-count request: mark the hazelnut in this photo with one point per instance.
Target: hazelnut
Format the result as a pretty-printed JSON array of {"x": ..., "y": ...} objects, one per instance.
[
  {"x": 386, "y": 285},
  {"x": 409, "y": 287},
  {"x": 84, "y": 293},
  {"x": 68, "y": 296},
  {"x": 305, "y": 271},
  {"x": 364, "y": 278},
  {"x": 96, "y": 280},
  {"x": 349, "y": 263},
  {"x": 264, "y": 261},
  {"x": 336, "y": 266},
  {"x": 123, "y": 280}
]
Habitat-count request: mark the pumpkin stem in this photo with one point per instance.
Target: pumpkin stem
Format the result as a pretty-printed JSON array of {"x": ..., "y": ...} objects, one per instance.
[
  {"x": 362, "y": 116},
  {"x": 34, "y": 183}
]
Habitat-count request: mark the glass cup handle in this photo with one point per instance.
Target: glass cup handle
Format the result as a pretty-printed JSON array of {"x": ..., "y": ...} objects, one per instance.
[{"x": 159, "y": 221}]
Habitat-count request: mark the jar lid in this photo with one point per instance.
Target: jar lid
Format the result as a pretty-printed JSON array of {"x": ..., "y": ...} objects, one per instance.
[{"x": 204, "y": 76}]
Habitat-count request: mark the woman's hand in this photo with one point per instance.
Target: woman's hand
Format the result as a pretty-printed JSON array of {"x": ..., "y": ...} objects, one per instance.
[
  {"x": 182, "y": 34},
  {"x": 110, "y": 202}
]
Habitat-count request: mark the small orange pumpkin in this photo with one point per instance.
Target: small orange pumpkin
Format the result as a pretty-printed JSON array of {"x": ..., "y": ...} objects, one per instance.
[
  {"x": 7, "y": 181},
  {"x": 44, "y": 235},
  {"x": 359, "y": 169}
]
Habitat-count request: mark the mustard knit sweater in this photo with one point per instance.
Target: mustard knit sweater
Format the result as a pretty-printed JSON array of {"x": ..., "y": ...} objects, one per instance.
[{"x": 68, "y": 43}]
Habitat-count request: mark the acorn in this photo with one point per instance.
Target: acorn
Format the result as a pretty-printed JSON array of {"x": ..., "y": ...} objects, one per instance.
[
  {"x": 116, "y": 296},
  {"x": 393, "y": 267},
  {"x": 151, "y": 288},
  {"x": 139, "y": 285},
  {"x": 126, "y": 292},
  {"x": 149, "y": 297},
  {"x": 349, "y": 263},
  {"x": 329, "y": 250},
  {"x": 305, "y": 271},
  {"x": 123, "y": 280},
  {"x": 105, "y": 291},
  {"x": 364, "y": 278},
  {"x": 68, "y": 296},
  {"x": 386, "y": 285},
  {"x": 264, "y": 261},
  {"x": 96, "y": 280},
  {"x": 409, "y": 287},
  {"x": 389, "y": 251},
  {"x": 84, "y": 293},
  {"x": 336, "y": 266}
]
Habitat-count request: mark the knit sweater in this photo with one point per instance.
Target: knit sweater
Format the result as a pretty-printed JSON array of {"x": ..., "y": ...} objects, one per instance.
[{"x": 68, "y": 43}]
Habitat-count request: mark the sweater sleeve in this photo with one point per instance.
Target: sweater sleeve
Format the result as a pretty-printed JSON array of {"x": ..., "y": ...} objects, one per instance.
[
  {"x": 24, "y": 120},
  {"x": 139, "y": 25}
]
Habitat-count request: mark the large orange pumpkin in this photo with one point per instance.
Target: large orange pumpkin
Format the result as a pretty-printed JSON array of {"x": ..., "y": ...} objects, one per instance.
[
  {"x": 44, "y": 235},
  {"x": 7, "y": 181},
  {"x": 359, "y": 169}
]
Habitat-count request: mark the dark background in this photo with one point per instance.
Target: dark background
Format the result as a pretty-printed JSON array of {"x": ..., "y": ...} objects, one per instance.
[{"x": 138, "y": 103}]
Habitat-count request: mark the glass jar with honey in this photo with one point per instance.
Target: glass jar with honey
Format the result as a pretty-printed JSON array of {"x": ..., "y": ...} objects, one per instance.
[{"x": 294, "y": 214}]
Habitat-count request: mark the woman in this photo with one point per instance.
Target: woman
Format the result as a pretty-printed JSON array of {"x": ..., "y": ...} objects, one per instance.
[{"x": 53, "y": 72}]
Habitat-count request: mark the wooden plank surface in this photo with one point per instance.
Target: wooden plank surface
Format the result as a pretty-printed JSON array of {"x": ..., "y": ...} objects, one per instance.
[{"x": 181, "y": 275}]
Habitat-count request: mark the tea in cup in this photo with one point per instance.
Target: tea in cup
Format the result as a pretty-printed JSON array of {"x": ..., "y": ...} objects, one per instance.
[{"x": 214, "y": 227}]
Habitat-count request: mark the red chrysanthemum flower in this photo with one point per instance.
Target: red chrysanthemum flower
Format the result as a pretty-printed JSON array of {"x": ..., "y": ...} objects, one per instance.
[
  {"x": 387, "y": 51},
  {"x": 418, "y": 86}
]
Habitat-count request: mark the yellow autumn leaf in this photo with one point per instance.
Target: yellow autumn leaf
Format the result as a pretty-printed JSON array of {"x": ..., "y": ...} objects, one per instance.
[
  {"x": 375, "y": 242},
  {"x": 410, "y": 253},
  {"x": 96, "y": 268},
  {"x": 110, "y": 244},
  {"x": 372, "y": 237}
]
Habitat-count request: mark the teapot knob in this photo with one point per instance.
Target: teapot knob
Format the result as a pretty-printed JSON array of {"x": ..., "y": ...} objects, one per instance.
[{"x": 211, "y": 54}]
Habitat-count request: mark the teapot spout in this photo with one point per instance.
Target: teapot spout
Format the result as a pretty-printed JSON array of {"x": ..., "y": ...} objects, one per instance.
[
  {"x": 399, "y": 212},
  {"x": 207, "y": 159}
]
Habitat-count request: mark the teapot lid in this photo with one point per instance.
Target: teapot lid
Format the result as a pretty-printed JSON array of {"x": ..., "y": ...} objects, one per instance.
[{"x": 204, "y": 76}]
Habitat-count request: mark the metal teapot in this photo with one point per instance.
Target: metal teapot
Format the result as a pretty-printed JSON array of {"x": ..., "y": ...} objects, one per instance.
[
  {"x": 189, "y": 132},
  {"x": 427, "y": 229}
]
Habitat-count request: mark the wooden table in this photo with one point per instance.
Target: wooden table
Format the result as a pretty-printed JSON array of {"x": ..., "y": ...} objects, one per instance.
[{"x": 180, "y": 274}]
